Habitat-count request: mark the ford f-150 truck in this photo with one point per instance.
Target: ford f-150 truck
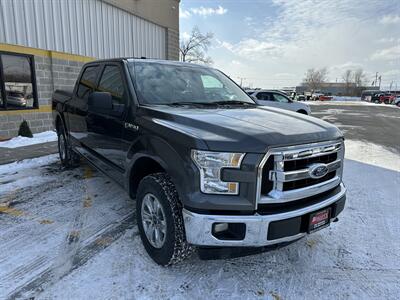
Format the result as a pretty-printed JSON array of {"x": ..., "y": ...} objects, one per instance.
[{"x": 207, "y": 166}]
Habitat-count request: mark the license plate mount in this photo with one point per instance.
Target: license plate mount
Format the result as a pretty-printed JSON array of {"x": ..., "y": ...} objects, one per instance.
[{"x": 319, "y": 219}]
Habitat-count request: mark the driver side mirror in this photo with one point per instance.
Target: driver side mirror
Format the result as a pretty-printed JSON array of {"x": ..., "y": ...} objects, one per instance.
[{"x": 100, "y": 102}]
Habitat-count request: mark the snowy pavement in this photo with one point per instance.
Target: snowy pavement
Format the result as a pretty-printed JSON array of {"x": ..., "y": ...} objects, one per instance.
[{"x": 71, "y": 234}]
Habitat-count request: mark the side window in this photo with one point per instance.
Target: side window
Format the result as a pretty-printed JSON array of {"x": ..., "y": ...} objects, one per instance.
[
  {"x": 87, "y": 82},
  {"x": 263, "y": 96},
  {"x": 111, "y": 82},
  {"x": 281, "y": 98}
]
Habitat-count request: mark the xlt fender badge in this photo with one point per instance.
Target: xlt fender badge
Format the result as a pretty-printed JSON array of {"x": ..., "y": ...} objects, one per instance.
[{"x": 131, "y": 126}]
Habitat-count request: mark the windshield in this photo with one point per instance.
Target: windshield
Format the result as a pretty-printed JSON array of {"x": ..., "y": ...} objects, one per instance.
[{"x": 159, "y": 83}]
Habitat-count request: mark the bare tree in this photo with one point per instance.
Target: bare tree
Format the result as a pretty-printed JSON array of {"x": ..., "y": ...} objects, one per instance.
[
  {"x": 360, "y": 78},
  {"x": 354, "y": 81},
  {"x": 348, "y": 80},
  {"x": 194, "y": 48},
  {"x": 315, "y": 78}
]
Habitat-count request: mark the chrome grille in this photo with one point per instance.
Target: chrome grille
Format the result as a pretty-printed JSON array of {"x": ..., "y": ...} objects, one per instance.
[{"x": 287, "y": 174}]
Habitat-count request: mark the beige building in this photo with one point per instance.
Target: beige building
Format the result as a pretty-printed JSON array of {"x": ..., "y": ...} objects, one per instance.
[{"x": 43, "y": 45}]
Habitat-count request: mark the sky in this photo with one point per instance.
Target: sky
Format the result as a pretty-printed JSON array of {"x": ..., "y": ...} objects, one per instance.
[{"x": 272, "y": 43}]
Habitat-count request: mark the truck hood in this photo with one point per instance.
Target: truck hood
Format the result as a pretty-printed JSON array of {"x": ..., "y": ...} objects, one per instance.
[{"x": 253, "y": 129}]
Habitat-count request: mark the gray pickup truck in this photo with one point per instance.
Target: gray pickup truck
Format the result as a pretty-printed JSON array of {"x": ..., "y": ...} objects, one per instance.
[{"x": 207, "y": 166}]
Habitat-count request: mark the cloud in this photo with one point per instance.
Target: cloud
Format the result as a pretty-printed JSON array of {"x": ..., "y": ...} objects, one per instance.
[
  {"x": 298, "y": 35},
  {"x": 201, "y": 11},
  {"x": 251, "y": 48},
  {"x": 184, "y": 14},
  {"x": 350, "y": 65},
  {"x": 392, "y": 53},
  {"x": 387, "y": 40},
  {"x": 390, "y": 19},
  {"x": 185, "y": 35},
  {"x": 208, "y": 11}
]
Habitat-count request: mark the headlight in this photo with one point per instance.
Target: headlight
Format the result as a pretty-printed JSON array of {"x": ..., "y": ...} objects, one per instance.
[{"x": 210, "y": 165}]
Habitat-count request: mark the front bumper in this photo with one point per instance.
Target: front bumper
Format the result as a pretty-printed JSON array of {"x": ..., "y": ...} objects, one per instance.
[{"x": 260, "y": 230}]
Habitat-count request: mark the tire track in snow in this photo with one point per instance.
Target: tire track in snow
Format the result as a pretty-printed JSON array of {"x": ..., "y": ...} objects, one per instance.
[
  {"x": 56, "y": 272},
  {"x": 110, "y": 220}
]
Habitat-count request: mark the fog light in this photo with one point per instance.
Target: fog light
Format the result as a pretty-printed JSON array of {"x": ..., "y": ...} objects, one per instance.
[
  {"x": 229, "y": 231},
  {"x": 219, "y": 227}
]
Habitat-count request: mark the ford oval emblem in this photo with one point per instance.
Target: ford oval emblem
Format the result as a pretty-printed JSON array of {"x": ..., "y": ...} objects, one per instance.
[{"x": 317, "y": 170}]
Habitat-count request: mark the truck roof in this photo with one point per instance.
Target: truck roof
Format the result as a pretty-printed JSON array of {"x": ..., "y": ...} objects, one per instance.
[{"x": 150, "y": 60}]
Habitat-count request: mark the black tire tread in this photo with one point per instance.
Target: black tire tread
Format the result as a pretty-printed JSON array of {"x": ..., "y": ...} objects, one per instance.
[{"x": 182, "y": 249}]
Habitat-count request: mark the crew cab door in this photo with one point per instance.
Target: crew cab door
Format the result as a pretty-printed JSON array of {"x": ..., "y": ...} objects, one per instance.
[
  {"x": 105, "y": 124},
  {"x": 77, "y": 107}
]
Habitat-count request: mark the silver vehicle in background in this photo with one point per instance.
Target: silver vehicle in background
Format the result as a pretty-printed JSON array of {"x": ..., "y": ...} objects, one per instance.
[
  {"x": 278, "y": 99},
  {"x": 16, "y": 98}
]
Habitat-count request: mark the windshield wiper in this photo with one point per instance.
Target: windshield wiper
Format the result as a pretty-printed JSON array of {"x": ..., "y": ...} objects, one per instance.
[
  {"x": 233, "y": 102},
  {"x": 193, "y": 103}
]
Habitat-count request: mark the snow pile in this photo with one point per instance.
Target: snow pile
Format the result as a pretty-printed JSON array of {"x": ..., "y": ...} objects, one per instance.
[
  {"x": 345, "y": 98},
  {"x": 38, "y": 138},
  {"x": 350, "y": 103},
  {"x": 372, "y": 154}
]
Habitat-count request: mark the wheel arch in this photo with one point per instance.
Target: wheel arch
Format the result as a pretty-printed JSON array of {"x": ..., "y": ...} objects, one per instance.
[
  {"x": 153, "y": 155},
  {"x": 302, "y": 111}
]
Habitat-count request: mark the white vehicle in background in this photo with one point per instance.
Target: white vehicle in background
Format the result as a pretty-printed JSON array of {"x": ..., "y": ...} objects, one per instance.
[
  {"x": 397, "y": 101},
  {"x": 278, "y": 99},
  {"x": 315, "y": 96}
]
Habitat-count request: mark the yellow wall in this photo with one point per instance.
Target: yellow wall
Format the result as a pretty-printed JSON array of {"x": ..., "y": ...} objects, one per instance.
[{"x": 45, "y": 53}]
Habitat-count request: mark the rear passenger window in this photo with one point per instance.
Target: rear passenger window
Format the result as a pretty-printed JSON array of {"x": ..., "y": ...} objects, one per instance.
[
  {"x": 263, "y": 96},
  {"x": 87, "y": 82},
  {"x": 111, "y": 82}
]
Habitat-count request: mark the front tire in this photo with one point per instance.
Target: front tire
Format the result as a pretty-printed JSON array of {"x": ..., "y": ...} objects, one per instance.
[
  {"x": 160, "y": 221},
  {"x": 68, "y": 158}
]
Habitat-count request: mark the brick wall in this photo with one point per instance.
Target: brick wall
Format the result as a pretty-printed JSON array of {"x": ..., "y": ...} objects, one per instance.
[
  {"x": 38, "y": 122},
  {"x": 173, "y": 44},
  {"x": 51, "y": 74}
]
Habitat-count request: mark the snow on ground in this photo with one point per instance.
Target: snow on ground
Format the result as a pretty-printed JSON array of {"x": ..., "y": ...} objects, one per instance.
[
  {"x": 13, "y": 176},
  {"x": 38, "y": 138},
  {"x": 350, "y": 103},
  {"x": 345, "y": 98},
  {"x": 372, "y": 154},
  {"x": 76, "y": 239}
]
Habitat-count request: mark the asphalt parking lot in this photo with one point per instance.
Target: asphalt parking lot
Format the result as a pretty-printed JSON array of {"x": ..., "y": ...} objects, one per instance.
[
  {"x": 71, "y": 234},
  {"x": 378, "y": 124}
]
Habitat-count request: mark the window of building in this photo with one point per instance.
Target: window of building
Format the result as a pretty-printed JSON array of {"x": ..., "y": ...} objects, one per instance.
[{"x": 17, "y": 82}]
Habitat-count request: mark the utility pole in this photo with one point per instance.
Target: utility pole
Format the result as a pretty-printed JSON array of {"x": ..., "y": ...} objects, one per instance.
[{"x": 241, "y": 81}]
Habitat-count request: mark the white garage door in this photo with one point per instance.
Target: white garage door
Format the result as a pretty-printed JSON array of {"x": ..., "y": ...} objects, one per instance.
[{"x": 85, "y": 27}]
